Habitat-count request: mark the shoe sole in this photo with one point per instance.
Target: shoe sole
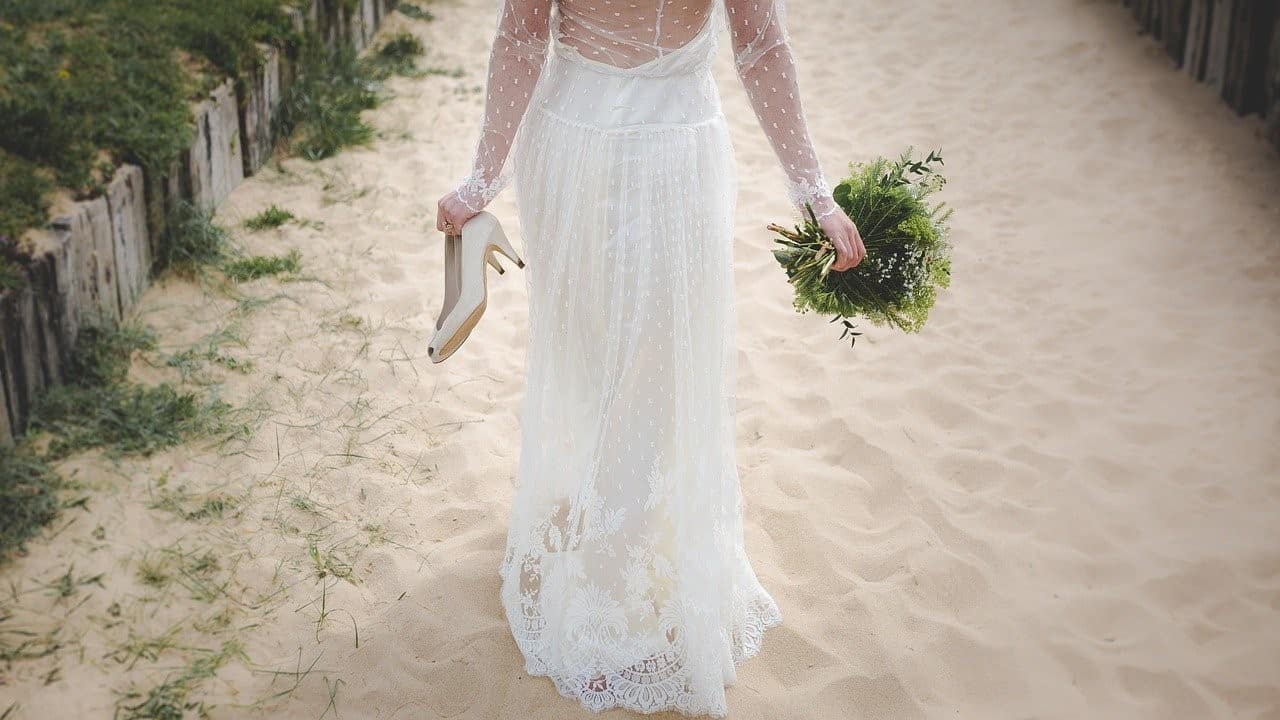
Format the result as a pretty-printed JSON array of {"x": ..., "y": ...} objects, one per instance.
[{"x": 464, "y": 331}]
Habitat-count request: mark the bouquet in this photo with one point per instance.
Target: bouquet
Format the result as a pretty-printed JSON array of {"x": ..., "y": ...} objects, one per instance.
[{"x": 906, "y": 236}]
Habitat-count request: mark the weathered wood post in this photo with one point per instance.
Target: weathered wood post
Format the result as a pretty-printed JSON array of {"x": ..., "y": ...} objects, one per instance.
[
  {"x": 1197, "y": 38},
  {"x": 125, "y": 203},
  {"x": 1245, "y": 71},
  {"x": 1219, "y": 40},
  {"x": 1173, "y": 27},
  {"x": 259, "y": 109},
  {"x": 1271, "y": 84},
  {"x": 21, "y": 352}
]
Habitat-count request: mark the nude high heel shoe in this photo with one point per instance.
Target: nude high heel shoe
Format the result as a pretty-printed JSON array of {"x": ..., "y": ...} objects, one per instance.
[
  {"x": 452, "y": 256},
  {"x": 466, "y": 282}
]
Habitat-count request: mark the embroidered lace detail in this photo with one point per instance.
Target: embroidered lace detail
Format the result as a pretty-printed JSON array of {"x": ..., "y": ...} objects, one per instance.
[
  {"x": 618, "y": 666},
  {"x": 814, "y": 192},
  {"x": 476, "y": 192}
]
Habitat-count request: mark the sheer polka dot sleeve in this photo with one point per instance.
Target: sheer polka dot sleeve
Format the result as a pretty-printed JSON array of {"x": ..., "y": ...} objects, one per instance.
[
  {"x": 515, "y": 64},
  {"x": 762, "y": 56}
]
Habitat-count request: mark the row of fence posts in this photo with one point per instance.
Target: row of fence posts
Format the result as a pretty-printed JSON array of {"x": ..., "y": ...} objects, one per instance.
[
  {"x": 92, "y": 263},
  {"x": 1231, "y": 45}
]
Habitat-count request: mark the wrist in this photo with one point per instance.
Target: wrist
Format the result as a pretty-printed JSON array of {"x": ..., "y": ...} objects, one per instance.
[
  {"x": 475, "y": 191},
  {"x": 823, "y": 206},
  {"x": 813, "y": 192}
]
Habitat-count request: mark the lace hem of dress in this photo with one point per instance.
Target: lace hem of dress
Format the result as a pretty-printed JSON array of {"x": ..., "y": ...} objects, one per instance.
[
  {"x": 633, "y": 687},
  {"x": 597, "y": 695}
]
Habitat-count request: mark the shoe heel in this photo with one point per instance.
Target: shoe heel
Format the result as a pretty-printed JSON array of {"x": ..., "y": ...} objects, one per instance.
[
  {"x": 493, "y": 262},
  {"x": 500, "y": 243}
]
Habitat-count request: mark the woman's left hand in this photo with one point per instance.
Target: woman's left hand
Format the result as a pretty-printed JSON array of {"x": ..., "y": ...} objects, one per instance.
[
  {"x": 452, "y": 214},
  {"x": 845, "y": 236}
]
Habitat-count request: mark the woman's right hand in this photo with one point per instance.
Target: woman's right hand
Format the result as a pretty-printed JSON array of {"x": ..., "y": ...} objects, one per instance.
[
  {"x": 452, "y": 213},
  {"x": 844, "y": 235}
]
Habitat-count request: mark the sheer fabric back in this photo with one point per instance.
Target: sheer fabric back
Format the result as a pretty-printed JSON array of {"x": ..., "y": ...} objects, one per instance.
[
  {"x": 644, "y": 37},
  {"x": 629, "y": 33}
]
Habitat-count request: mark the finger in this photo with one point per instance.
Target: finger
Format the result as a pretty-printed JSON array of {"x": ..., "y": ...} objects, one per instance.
[
  {"x": 855, "y": 252},
  {"x": 848, "y": 255},
  {"x": 855, "y": 257},
  {"x": 840, "y": 260},
  {"x": 841, "y": 249},
  {"x": 447, "y": 223},
  {"x": 843, "y": 252},
  {"x": 841, "y": 244}
]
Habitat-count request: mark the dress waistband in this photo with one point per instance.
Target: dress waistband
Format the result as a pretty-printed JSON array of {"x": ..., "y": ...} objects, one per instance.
[
  {"x": 578, "y": 91},
  {"x": 688, "y": 60}
]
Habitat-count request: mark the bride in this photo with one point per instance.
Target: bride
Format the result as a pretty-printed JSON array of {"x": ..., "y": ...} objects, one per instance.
[{"x": 625, "y": 580}]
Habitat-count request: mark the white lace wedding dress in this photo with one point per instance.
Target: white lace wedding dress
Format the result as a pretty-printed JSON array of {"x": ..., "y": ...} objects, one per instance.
[{"x": 625, "y": 579}]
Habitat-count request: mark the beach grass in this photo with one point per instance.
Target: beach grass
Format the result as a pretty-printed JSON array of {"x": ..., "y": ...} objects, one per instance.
[
  {"x": 97, "y": 407},
  {"x": 273, "y": 217},
  {"x": 256, "y": 266},
  {"x": 194, "y": 241},
  {"x": 28, "y": 497},
  {"x": 91, "y": 84},
  {"x": 186, "y": 565}
]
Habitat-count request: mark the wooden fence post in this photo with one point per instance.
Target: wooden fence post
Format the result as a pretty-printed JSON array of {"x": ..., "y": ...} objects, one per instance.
[
  {"x": 1219, "y": 40},
  {"x": 1174, "y": 17},
  {"x": 1197, "y": 38},
  {"x": 1245, "y": 73},
  {"x": 125, "y": 199},
  {"x": 258, "y": 111}
]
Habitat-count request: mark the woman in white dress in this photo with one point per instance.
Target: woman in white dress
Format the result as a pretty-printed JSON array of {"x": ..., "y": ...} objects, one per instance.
[{"x": 625, "y": 579}]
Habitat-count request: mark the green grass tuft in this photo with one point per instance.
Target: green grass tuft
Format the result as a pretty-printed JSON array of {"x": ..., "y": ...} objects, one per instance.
[
  {"x": 125, "y": 419},
  {"x": 193, "y": 240},
  {"x": 172, "y": 698},
  {"x": 256, "y": 266},
  {"x": 272, "y": 217},
  {"x": 324, "y": 106},
  {"x": 28, "y": 498},
  {"x": 86, "y": 85},
  {"x": 399, "y": 56},
  {"x": 11, "y": 276},
  {"x": 98, "y": 407},
  {"x": 24, "y": 195},
  {"x": 414, "y": 11},
  {"x": 102, "y": 355}
]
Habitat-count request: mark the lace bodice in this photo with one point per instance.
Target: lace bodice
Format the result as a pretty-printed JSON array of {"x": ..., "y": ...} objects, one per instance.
[{"x": 644, "y": 37}]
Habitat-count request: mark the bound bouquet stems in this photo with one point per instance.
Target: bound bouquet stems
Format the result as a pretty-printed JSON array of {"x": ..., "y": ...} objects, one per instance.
[{"x": 908, "y": 254}]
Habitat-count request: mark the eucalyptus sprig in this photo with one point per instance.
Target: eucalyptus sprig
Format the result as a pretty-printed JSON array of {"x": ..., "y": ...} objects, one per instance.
[{"x": 908, "y": 253}]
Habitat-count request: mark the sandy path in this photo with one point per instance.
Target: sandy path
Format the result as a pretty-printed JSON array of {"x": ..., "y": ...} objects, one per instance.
[{"x": 1059, "y": 501}]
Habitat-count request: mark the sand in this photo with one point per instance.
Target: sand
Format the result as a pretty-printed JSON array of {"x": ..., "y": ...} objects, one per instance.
[{"x": 1058, "y": 501}]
